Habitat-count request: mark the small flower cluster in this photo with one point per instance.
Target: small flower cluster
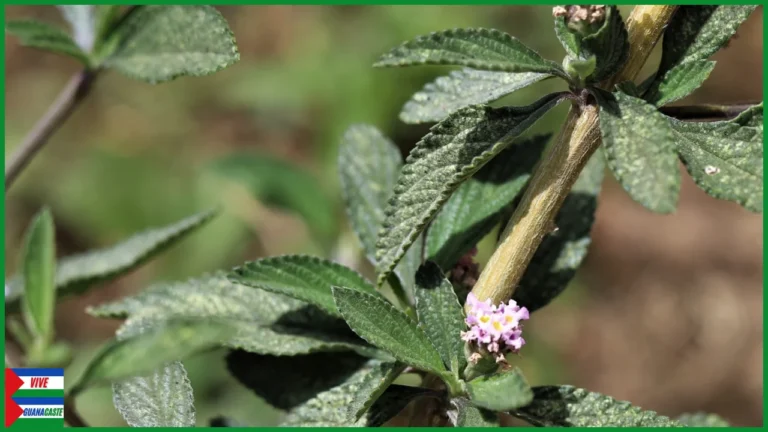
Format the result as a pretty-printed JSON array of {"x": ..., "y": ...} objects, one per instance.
[
  {"x": 495, "y": 329},
  {"x": 576, "y": 14}
]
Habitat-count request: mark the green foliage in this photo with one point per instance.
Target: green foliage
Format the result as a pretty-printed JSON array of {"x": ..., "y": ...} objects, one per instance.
[
  {"x": 162, "y": 398},
  {"x": 693, "y": 35},
  {"x": 172, "y": 341},
  {"x": 504, "y": 391},
  {"x": 302, "y": 277},
  {"x": 39, "y": 264},
  {"x": 286, "y": 382},
  {"x": 560, "y": 254},
  {"x": 701, "y": 419},
  {"x": 440, "y": 315},
  {"x": 394, "y": 399},
  {"x": 725, "y": 158},
  {"x": 370, "y": 387},
  {"x": 380, "y": 324},
  {"x": 459, "y": 89},
  {"x": 464, "y": 414},
  {"x": 476, "y": 48},
  {"x": 640, "y": 151},
  {"x": 575, "y": 407},
  {"x": 82, "y": 20},
  {"x": 44, "y": 36},
  {"x": 452, "y": 152},
  {"x": 77, "y": 273},
  {"x": 281, "y": 184},
  {"x": 480, "y": 202},
  {"x": 266, "y": 323},
  {"x": 161, "y": 43},
  {"x": 609, "y": 46}
]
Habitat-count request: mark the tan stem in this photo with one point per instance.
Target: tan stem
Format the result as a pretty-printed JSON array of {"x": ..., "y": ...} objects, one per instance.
[{"x": 559, "y": 168}]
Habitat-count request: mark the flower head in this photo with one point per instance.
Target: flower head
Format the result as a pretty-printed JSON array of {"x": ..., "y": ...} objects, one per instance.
[{"x": 495, "y": 329}]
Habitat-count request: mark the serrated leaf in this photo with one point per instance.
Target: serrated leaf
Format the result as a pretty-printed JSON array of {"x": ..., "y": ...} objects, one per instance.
[
  {"x": 285, "y": 382},
  {"x": 173, "y": 340},
  {"x": 464, "y": 414},
  {"x": 39, "y": 264},
  {"x": 281, "y": 184},
  {"x": 700, "y": 419},
  {"x": 725, "y": 158},
  {"x": 503, "y": 391},
  {"x": 452, "y": 152},
  {"x": 609, "y": 45},
  {"x": 568, "y": 39},
  {"x": 46, "y": 37},
  {"x": 380, "y": 324},
  {"x": 679, "y": 82},
  {"x": 478, "y": 204},
  {"x": 478, "y": 48},
  {"x": 161, "y": 43},
  {"x": 560, "y": 254},
  {"x": 571, "y": 406},
  {"x": 163, "y": 398},
  {"x": 331, "y": 407},
  {"x": 640, "y": 151},
  {"x": 82, "y": 20},
  {"x": 266, "y": 323},
  {"x": 693, "y": 35},
  {"x": 440, "y": 315},
  {"x": 370, "y": 388},
  {"x": 76, "y": 273},
  {"x": 459, "y": 89},
  {"x": 302, "y": 277}
]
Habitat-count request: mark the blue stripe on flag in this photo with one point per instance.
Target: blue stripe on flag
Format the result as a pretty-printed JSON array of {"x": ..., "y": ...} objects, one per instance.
[
  {"x": 39, "y": 401},
  {"x": 37, "y": 372}
]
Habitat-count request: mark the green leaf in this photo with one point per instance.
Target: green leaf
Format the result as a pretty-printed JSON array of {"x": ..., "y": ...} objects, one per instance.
[
  {"x": 571, "y": 406},
  {"x": 464, "y": 414},
  {"x": 127, "y": 357},
  {"x": 77, "y": 273},
  {"x": 693, "y": 35},
  {"x": 440, "y": 315},
  {"x": 479, "y": 203},
  {"x": 369, "y": 164},
  {"x": 380, "y": 324},
  {"x": 451, "y": 153},
  {"x": 394, "y": 399},
  {"x": 560, "y": 254},
  {"x": 266, "y": 323},
  {"x": 332, "y": 407},
  {"x": 163, "y": 398},
  {"x": 46, "y": 37},
  {"x": 725, "y": 158},
  {"x": 285, "y": 382},
  {"x": 640, "y": 150},
  {"x": 679, "y": 82},
  {"x": 39, "y": 268},
  {"x": 568, "y": 39},
  {"x": 609, "y": 45},
  {"x": 302, "y": 277},
  {"x": 476, "y": 48},
  {"x": 82, "y": 19},
  {"x": 504, "y": 391},
  {"x": 161, "y": 43},
  {"x": 370, "y": 387},
  {"x": 463, "y": 88},
  {"x": 700, "y": 419},
  {"x": 281, "y": 184}
]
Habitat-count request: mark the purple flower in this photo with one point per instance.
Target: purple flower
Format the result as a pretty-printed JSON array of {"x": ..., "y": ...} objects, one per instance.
[{"x": 495, "y": 329}]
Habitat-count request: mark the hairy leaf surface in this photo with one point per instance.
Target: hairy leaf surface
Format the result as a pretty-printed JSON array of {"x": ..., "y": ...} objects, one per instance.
[
  {"x": 39, "y": 269},
  {"x": 640, "y": 151},
  {"x": 476, "y": 48},
  {"x": 451, "y": 153},
  {"x": 378, "y": 322},
  {"x": 609, "y": 45},
  {"x": 161, "y": 43},
  {"x": 46, "y": 37},
  {"x": 575, "y": 407},
  {"x": 459, "y": 89},
  {"x": 503, "y": 391},
  {"x": 560, "y": 254},
  {"x": 74, "y": 274},
  {"x": 679, "y": 82},
  {"x": 440, "y": 315},
  {"x": 700, "y": 419},
  {"x": 478, "y": 204},
  {"x": 725, "y": 158},
  {"x": 464, "y": 414}
]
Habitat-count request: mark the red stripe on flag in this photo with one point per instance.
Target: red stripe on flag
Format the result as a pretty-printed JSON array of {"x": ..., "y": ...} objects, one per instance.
[{"x": 12, "y": 410}]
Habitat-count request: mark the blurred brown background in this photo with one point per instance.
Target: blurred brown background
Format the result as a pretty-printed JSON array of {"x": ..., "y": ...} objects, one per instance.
[{"x": 666, "y": 313}]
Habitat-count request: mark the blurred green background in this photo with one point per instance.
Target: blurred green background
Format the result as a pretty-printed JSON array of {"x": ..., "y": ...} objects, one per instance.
[{"x": 666, "y": 312}]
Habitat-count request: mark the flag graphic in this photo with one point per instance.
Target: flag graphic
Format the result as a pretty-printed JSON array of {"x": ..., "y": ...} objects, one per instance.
[{"x": 34, "y": 398}]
